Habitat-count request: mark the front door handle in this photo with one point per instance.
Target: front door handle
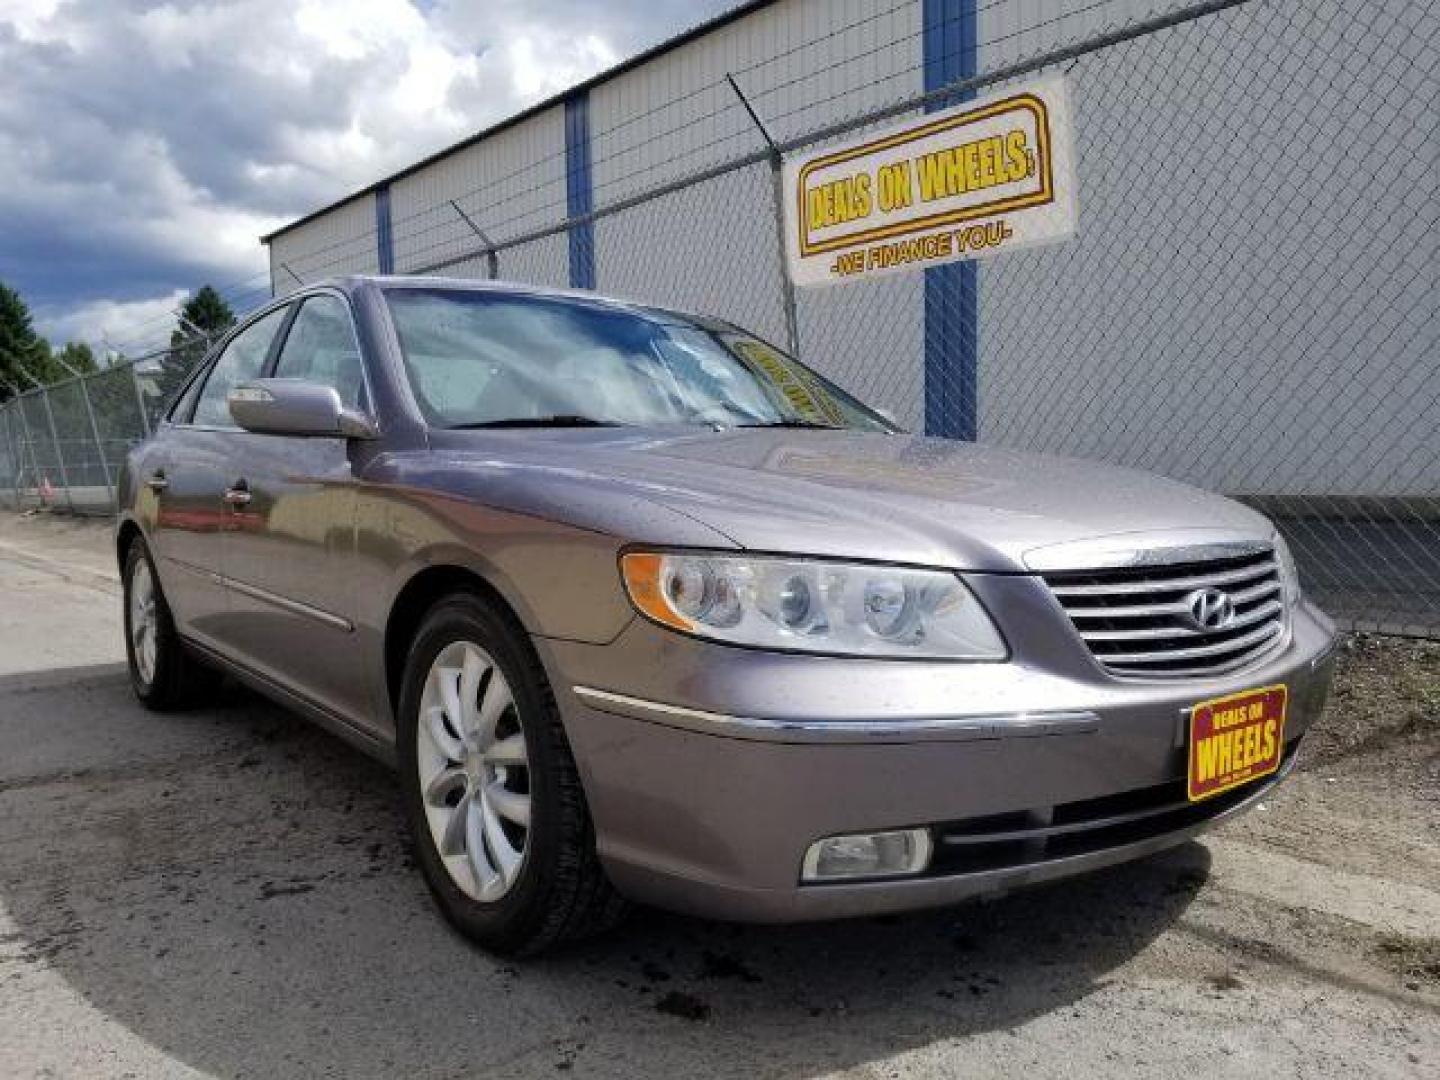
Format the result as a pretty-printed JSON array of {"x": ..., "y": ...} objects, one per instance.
[
  {"x": 156, "y": 481},
  {"x": 238, "y": 493}
]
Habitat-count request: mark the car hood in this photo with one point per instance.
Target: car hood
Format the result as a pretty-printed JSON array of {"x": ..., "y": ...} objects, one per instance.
[{"x": 897, "y": 498}]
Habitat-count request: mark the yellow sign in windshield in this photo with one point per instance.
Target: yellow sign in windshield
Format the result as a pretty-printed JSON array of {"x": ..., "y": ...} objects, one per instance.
[{"x": 798, "y": 385}]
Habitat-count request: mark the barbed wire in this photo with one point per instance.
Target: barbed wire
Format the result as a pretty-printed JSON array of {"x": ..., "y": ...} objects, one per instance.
[
  {"x": 555, "y": 209},
  {"x": 358, "y": 246},
  {"x": 731, "y": 107}
]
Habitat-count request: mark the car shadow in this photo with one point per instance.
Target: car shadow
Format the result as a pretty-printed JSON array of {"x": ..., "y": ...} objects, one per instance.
[{"x": 234, "y": 888}]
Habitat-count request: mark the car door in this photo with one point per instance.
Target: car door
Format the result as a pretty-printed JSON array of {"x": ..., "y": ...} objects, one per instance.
[
  {"x": 185, "y": 473},
  {"x": 290, "y": 555}
]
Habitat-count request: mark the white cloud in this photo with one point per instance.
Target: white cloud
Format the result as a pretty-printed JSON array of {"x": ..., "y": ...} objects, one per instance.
[
  {"x": 545, "y": 63},
  {"x": 98, "y": 321},
  {"x": 148, "y": 144},
  {"x": 29, "y": 17}
]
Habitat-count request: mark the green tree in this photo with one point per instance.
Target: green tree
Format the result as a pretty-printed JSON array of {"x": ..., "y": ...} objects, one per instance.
[
  {"x": 76, "y": 357},
  {"x": 24, "y": 354},
  {"x": 205, "y": 312}
]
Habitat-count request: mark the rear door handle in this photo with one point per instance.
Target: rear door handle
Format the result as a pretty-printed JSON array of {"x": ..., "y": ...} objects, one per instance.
[
  {"x": 238, "y": 493},
  {"x": 156, "y": 481}
]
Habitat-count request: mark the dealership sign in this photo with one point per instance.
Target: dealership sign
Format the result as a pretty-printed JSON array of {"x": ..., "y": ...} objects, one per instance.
[{"x": 985, "y": 177}]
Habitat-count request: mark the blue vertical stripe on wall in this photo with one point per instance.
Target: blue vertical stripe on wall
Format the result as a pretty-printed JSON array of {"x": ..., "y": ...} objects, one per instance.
[
  {"x": 384, "y": 238},
  {"x": 950, "y": 49},
  {"x": 579, "y": 195}
]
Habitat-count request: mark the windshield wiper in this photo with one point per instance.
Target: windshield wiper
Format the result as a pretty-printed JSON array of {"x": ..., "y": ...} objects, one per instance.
[
  {"x": 558, "y": 420},
  {"x": 817, "y": 424}
]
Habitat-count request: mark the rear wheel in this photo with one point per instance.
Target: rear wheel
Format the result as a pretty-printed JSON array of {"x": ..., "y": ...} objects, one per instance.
[
  {"x": 493, "y": 799},
  {"x": 163, "y": 675}
]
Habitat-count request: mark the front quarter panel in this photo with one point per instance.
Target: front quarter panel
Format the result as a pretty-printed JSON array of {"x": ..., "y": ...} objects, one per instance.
[
  {"x": 558, "y": 580},
  {"x": 560, "y": 575}
]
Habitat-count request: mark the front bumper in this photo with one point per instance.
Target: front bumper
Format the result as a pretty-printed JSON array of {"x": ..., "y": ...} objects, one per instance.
[{"x": 710, "y": 770}]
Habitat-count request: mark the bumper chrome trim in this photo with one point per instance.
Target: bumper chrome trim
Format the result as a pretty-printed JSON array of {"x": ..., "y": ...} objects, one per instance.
[
  {"x": 1127, "y": 551},
  {"x": 935, "y": 729}
]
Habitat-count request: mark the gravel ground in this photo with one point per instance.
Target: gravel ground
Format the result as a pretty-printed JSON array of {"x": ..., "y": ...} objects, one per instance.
[
  {"x": 1387, "y": 687},
  {"x": 227, "y": 893}
]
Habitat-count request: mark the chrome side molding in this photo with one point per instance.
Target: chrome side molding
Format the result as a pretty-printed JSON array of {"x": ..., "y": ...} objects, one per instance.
[
  {"x": 937, "y": 729},
  {"x": 295, "y": 607}
]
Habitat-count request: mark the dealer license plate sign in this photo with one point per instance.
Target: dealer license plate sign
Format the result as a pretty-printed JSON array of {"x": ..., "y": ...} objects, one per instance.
[{"x": 1235, "y": 739}]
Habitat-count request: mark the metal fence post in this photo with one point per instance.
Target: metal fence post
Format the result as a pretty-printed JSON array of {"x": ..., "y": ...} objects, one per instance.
[
  {"x": 140, "y": 401},
  {"x": 9, "y": 443},
  {"x": 777, "y": 181},
  {"x": 17, "y": 450},
  {"x": 59, "y": 454},
  {"x": 492, "y": 260},
  {"x": 11, "y": 451},
  {"x": 99, "y": 443},
  {"x": 29, "y": 442},
  {"x": 787, "y": 286},
  {"x": 16, "y": 422}
]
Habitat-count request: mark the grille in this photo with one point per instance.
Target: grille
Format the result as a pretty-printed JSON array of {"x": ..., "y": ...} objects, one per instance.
[
  {"x": 1006, "y": 841},
  {"x": 1137, "y": 623}
]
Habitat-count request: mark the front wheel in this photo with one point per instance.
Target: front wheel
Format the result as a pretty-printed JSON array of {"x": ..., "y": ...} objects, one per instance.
[{"x": 492, "y": 795}]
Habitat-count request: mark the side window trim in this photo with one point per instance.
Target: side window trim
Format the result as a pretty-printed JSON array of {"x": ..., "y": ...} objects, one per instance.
[
  {"x": 193, "y": 381},
  {"x": 282, "y": 335},
  {"x": 272, "y": 361},
  {"x": 289, "y": 306},
  {"x": 196, "y": 379}
]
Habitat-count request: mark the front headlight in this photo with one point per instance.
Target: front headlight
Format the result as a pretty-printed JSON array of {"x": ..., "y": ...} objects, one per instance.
[
  {"x": 812, "y": 605},
  {"x": 1289, "y": 572}
]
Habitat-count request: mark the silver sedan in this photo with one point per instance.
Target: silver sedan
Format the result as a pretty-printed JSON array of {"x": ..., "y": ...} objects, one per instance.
[{"x": 642, "y": 608}]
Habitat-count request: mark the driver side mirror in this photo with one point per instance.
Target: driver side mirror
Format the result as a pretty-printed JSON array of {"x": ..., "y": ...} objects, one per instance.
[{"x": 296, "y": 407}]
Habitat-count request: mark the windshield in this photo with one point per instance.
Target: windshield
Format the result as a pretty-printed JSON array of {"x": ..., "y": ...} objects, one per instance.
[{"x": 481, "y": 359}]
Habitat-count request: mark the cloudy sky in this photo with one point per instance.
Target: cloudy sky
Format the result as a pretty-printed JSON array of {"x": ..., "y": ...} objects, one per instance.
[{"x": 145, "y": 146}]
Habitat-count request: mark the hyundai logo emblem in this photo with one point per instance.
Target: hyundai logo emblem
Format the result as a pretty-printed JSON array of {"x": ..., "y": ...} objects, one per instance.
[{"x": 1210, "y": 609}]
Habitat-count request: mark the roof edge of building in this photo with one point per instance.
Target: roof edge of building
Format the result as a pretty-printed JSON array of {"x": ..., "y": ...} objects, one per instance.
[{"x": 659, "y": 49}]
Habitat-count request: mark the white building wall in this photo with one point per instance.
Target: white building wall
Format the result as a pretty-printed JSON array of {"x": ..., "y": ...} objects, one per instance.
[
  {"x": 508, "y": 184},
  {"x": 340, "y": 241},
  {"x": 1238, "y": 309},
  {"x": 1010, "y": 31},
  {"x": 714, "y": 247},
  {"x": 802, "y": 64}
]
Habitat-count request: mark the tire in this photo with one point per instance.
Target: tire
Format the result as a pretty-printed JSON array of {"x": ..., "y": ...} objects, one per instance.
[
  {"x": 163, "y": 675},
  {"x": 464, "y": 795}
]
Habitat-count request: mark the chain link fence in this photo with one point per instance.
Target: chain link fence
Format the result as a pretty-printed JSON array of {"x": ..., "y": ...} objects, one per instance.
[
  {"x": 62, "y": 446},
  {"x": 1250, "y": 304}
]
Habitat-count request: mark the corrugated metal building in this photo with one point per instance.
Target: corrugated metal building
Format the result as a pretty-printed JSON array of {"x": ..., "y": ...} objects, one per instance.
[{"x": 1232, "y": 313}]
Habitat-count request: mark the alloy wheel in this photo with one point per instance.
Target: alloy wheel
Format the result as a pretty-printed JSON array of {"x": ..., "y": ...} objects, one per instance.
[
  {"x": 144, "y": 621},
  {"x": 474, "y": 771}
]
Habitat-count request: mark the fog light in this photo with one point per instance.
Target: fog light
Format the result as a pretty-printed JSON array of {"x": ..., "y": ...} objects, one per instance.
[{"x": 867, "y": 855}]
